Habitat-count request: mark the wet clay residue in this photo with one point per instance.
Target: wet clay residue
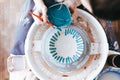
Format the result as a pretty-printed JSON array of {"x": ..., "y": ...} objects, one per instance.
[
  {"x": 64, "y": 75},
  {"x": 97, "y": 57},
  {"x": 86, "y": 26}
]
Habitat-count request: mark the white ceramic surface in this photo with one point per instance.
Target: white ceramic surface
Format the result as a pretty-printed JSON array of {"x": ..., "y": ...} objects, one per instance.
[
  {"x": 109, "y": 74},
  {"x": 88, "y": 71}
]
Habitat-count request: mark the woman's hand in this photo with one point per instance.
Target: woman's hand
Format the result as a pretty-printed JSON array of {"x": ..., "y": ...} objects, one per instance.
[
  {"x": 71, "y": 4},
  {"x": 86, "y": 4},
  {"x": 40, "y": 9}
]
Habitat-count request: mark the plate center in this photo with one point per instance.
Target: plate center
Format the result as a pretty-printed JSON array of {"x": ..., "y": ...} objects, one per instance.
[{"x": 66, "y": 45}]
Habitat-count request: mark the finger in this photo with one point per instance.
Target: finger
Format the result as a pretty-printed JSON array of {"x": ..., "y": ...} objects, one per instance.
[
  {"x": 72, "y": 9},
  {"x": 35, "y": 18},
  {"x": 44, "y": 14}
]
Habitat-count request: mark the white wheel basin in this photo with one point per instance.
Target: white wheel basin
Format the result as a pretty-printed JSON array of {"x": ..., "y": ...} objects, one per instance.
[{"x": 53, "y": 56}]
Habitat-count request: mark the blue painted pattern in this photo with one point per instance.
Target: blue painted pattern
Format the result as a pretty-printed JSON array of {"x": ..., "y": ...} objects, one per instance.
[{"x": 79, "y": 42}]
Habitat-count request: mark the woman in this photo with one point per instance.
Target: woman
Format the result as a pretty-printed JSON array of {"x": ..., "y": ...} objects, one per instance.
[
  {"x": 17, "y": 53},
  {"x": 40, "y": 7}
]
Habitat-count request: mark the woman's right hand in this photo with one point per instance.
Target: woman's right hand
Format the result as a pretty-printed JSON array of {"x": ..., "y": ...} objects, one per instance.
[{"x": 40, "y": 9}]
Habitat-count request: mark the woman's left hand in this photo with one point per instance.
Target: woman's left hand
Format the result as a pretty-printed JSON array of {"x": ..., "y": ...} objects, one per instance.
[{"x": 71, "y": 4}]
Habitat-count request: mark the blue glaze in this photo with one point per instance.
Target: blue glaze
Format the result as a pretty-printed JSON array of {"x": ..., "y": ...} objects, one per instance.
[
  {"x": 54, "y": 54},
  {"x": 52, "y": 51},
  {"x": 52, "y": 40},
  {"x": 75, "y": 58},
  {"x": 63, "y": 60},
  {"x": 80, "y": 48},
  {"x": 79, "y": 53},
  {"x": 55, "y": 57},
  {"x": 60, "y": 59},
  {"x": 67, "y": 60},
  {"x": 56, "y": 35},
  {"x": 52, "y": 48},
  {"x": 116, "y": 71},
  {"x": 65, "y": 32},
  {"x": 52, "y": 45}
]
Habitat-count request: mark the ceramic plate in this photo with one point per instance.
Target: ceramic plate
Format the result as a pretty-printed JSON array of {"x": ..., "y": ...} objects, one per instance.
[
  {"x": 66, "y": 49},
  {"x": 76, "y": 52},
  {"x": 109, "y": 74}
]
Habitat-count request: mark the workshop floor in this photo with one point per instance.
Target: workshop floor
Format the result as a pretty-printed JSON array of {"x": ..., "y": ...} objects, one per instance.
[
  {"x": 9, "y": 15},
  {"x": 9, "y": 11}
]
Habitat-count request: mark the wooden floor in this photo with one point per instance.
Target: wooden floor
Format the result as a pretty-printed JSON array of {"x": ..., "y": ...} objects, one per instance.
[
  {"x": 9, "y": 14},
  {"x": 116, "y": 26}
]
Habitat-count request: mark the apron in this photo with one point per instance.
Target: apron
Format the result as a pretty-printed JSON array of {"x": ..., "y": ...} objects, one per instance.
[{"x": 24, "y": 25}]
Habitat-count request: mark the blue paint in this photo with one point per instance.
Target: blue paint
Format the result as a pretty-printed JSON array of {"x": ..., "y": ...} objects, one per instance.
[
  {"x": 52, "y": 51},
  {"x": 73, "y": 31},
  {"x": 77, "y": 34},
  {"x": 63, "y": 60},
  {"x": 74, "y": 35},
  {"x": 79, "y": 53},
  {"x": 56, "y": 35},
  {"x": 65, "y": 32},
  {"x": 80, "y": 48},
  {"x": 52, "y": 48},
  {"x": 51, "y": 45},
  {"x": 67, "y": 60},
  {"x": 54, "y": 54},
  {"x": 75, "y": 57},
  {"x": 60, "y": 59},
  {"x": 70, "y": 31},
  {"x": 54, "y": 38},
  {"x": 70, "y": 60},
  {"x": 55, "y": 57},
  {"x": 79, "y": 38},
  {"x": 80, "y": 45}
]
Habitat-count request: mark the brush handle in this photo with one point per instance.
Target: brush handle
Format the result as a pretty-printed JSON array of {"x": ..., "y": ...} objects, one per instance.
[{"x": 50, "y": 24}]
